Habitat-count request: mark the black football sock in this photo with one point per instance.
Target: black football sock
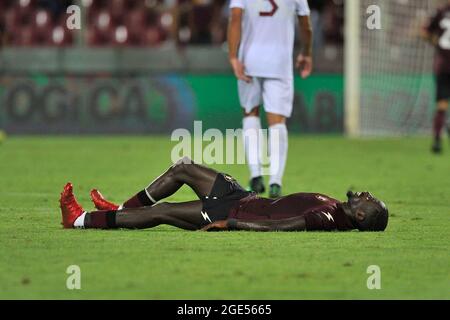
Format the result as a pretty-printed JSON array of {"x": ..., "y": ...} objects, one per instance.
[
  {"x": 439, "y": 122},
  {"x": 100, "y": 220},
  {"x": 141, "y": 199}
]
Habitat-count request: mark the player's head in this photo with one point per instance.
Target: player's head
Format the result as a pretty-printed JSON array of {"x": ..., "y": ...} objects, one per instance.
[{"x": 369, "y": 213}]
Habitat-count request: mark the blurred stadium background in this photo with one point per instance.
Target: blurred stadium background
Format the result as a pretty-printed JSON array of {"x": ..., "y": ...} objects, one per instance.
[
  {"x": 144, "y": 67},
  {"x": 149, "y": 66}
]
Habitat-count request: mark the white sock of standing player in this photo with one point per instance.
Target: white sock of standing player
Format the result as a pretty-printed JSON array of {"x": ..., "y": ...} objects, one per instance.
[
  {"x": 278, "y": 148},
  {"x": 251, "y": 127}
]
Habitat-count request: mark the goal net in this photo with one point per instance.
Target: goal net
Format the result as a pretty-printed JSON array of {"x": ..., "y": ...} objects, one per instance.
[{"x": 395, "y": 87}]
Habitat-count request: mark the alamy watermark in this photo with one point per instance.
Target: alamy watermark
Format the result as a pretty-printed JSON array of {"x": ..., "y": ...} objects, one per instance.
[
  {"x": 227, "y": 148},
  {"x": 73, "y": 22},
  {"x": 374, "y": 20},
  {"x": 73, "y": 281},
  {"x": 374, "y": 280}
]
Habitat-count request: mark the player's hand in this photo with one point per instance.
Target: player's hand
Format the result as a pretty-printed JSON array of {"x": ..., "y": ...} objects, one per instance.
[
  {"x": 216, "y": 226},
  {"x": 239, "y": 70},
  {"x": 304, "y": 64},
  {"x": 434, "y": 39}
]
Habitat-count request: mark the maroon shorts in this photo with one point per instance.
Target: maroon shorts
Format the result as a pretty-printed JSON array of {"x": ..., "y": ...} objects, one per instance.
[{"x": 443, "y": 86}]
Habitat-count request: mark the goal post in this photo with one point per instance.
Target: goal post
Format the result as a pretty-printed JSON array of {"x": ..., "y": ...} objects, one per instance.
[
  {"x": 389, "y": 88},
  {"x": 352, "y": 68}
]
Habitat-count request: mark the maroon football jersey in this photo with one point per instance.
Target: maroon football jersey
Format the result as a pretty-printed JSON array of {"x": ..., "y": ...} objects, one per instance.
[
  {"x": 320, "y": 211},
  {"x": 440, "y": 26}
]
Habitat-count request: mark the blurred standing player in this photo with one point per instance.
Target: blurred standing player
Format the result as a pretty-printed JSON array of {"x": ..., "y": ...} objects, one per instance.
[
  {"x": 261, "y": 36},
  {"x": 437, "y": 31},
  {"x": 2, "y": 41}
]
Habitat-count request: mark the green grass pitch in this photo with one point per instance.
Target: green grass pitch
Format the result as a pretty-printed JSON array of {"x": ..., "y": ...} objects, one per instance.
[{"x": 168, "y": 263}]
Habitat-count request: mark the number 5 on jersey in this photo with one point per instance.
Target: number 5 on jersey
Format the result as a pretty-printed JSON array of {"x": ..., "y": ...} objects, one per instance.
[
  {"x": 272, "y": 12},
  {"x": 444, "y": 40}
]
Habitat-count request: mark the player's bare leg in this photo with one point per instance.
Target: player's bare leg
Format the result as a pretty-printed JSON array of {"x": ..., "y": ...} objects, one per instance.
[
  {"x": 278, "y": 148},
  {"x": 251, "y": 126},
  {"x": 199, "y": 178},
  {"x": 185, "y": 215},
  {"x": 439, "y": 124}
]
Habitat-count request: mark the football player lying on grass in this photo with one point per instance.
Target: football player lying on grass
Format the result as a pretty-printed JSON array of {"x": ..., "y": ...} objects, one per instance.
[{"x": 223, "y": 205}]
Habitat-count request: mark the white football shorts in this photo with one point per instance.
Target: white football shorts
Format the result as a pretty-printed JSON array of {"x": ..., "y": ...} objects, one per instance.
[{"x": 277, "y": 95}]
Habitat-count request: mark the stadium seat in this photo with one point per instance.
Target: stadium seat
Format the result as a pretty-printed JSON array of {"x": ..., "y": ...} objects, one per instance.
[
  {"x": 92, "y": 9},
  {"x": 26, "y": 36},
  {"x": 102, "y": 20},
  {"x": 116, "y": 9},
  {"x": 136, "y": 23},
  {"x": 26, "y": 3},
  {"x": 11, "y": 20},
  {"x": 15, "y": 21},
  {"x": 24, "y": 10},
  {"x": 15, "y": 17},
  {"x": 32, "y": 23},
  {"x": 42, "y": 19},
  {"x": 42, "y": 27},
  {"x": 61, "y": 36},
  {"x": 113, "y": 22},
  {"x": 166, "y": 21},
  {"x": 121, "y": 36},
  {"x": 102, "y": 29},
  {"x": 201, "y": 15},
  {"x": 5, "y": 5},
  {"x": 154, "y": 35}
]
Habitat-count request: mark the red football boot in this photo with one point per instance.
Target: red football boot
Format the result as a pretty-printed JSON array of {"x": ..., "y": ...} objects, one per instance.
[
  {"x": 101, "y": 203},
  {"x": 70, "y": 209}
]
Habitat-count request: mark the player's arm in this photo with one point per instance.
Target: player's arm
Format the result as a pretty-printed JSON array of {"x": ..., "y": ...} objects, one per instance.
[
  {"x": 291, "y": 224},
  {"x": 429, "y": 36},
  {"x": 234, "y": 39},
  {"x": 304, "y": 60},
  {"x": 428, "y": 31}
]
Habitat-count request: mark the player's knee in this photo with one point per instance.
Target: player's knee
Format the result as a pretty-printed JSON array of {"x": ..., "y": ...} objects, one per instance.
[
  {"x": 253, "y": 113},
  {"x": 181, "y": 165},
  {"x": 274, "y": 119},
  {"x": 184, "y": 160}
]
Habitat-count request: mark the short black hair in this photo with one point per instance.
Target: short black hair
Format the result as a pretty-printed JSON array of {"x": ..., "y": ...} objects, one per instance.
[{"x": 377, "y": 217}]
